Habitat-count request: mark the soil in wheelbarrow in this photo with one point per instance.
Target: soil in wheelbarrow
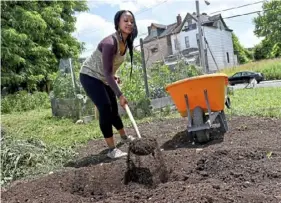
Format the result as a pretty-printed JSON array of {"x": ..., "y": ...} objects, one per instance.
[{"x": 245, "y": 166}]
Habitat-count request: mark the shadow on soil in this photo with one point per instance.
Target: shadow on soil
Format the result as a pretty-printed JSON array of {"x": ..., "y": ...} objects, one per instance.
[
  {"x": 181, "y": 140},
  {"x": 93, "y": 159}
]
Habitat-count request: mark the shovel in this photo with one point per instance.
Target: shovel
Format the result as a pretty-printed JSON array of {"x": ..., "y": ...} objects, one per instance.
[
  {"x": 132, "y": 120},
  {"x": 140, "y": 146}
]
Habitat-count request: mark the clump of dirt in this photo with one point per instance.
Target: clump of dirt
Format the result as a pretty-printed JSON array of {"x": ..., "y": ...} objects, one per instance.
[{"x": 143, "y": 146}]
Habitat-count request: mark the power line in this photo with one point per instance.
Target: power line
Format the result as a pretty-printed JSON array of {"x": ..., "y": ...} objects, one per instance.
[
  {"x": 244, "y": 14},
  {"x": 238, "y": 21},
  {"x": 238, "y": 7},
  {"x": 144, "y": 10}
]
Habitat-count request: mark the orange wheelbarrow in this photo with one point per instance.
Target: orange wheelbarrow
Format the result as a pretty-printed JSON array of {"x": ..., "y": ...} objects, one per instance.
[{"x": 202, "y": 100}]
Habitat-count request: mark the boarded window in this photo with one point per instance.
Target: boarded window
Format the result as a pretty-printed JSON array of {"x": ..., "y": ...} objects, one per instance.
[
  {"x": 189, "y": 21},
  {"x": 227, "y": 56},
  {"x": 187, "y": 45},
  {"x": 169, "y": 43}
]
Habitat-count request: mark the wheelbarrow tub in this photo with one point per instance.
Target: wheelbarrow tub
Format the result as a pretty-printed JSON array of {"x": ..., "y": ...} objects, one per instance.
[{"x": 194, "y": 87}]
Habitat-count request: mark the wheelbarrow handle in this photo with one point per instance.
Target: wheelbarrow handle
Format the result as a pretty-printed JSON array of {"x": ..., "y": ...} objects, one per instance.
[{"x": 132, "y": 120}]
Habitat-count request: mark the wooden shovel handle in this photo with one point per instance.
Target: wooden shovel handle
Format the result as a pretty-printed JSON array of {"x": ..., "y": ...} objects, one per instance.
[{"x": 132, "y": 120}]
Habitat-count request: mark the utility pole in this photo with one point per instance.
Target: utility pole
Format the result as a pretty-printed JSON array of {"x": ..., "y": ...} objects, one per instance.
[
  {"x": 144, "y": 68},
  {"x": 201, "y": 48}
]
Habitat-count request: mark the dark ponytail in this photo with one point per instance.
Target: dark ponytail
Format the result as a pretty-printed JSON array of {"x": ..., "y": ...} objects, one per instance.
[{"x": 131, "y": 37}]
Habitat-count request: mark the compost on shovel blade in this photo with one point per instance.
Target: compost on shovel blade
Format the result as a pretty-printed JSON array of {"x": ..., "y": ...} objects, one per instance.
[{"x": 143, "y": 146}]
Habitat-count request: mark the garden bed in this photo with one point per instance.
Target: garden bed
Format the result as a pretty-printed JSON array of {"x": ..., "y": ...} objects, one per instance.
[{"x": 245, "y": 166}]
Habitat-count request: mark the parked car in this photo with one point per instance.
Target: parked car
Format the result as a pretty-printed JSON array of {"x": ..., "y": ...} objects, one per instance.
[{"x": 245, "y": 77}]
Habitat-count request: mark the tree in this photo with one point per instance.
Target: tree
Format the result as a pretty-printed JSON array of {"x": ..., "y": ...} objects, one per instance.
[
  {"x": 242, "y": 53},
  {"x": 262, "y": 50},
  {"x": 267, "y": 25},
  {"x": 35, "y": 35}
]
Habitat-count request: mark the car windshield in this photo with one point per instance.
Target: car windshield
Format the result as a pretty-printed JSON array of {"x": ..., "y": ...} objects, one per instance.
[{"x": 237, "y": 75}]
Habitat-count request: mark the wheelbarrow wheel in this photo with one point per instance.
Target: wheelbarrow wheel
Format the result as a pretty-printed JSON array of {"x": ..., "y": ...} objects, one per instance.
[{"x": 198, "y": 120}]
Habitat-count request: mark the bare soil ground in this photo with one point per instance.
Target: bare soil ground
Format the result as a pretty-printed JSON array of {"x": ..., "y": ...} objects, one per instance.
[{"x": 245, "y": 166}]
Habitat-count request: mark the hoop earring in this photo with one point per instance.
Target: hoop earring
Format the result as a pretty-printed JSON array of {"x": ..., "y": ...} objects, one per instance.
[{"x": 120, "y": 34}]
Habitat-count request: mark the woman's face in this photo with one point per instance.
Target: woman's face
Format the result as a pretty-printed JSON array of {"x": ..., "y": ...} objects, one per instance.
[{"x": 126, "y": 23}]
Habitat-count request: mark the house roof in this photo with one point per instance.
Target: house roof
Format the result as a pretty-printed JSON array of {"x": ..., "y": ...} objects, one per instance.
[
  {"x": 175, "y": 28},
  {"x": 168, "y": 30},
  {"x": 159, "y": 25}
]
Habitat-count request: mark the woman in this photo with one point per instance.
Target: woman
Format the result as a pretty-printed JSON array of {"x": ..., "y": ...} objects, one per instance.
[{"x": 97, "y": 76}]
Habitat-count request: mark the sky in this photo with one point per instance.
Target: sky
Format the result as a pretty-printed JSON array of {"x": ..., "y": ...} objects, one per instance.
[{"x": 92, "y": 26}]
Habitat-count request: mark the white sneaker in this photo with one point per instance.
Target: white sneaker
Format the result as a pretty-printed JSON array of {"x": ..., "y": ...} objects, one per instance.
[
  {"x": 116, "y": 153},
  {"x": 129, "y": 139}
]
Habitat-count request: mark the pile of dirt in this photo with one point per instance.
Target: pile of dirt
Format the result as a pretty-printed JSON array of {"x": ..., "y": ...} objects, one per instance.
[{"x": 244, "y": 166}]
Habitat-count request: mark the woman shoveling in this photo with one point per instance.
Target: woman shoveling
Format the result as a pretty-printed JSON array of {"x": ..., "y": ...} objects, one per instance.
[{"x": 97, "y": 76}]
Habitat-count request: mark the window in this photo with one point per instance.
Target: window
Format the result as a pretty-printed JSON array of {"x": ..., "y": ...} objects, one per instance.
[
  {"x": 154, "y": 50},
  {"x": 220, "y": 25},
  {"x": 237, "y": 75},
  {"x": 169, "y": 42},
  {"x": 187, "y": 45},
  {"x": 189, "y": 27},
  {"x": 189, "y": 21},
  {"x": 176, "y": 42},
  {"x": 227, "y": 55},
  {"x": 246, "y": 74},
  {"x": 153, "y": 32}
]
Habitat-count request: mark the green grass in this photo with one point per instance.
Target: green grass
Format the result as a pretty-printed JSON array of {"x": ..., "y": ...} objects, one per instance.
[
  {"x": 256, "y": 102},
  {"x": 270, "y": 68},
  {"x": 53, "y": 131},
  {"x": 41, "y": 125}
]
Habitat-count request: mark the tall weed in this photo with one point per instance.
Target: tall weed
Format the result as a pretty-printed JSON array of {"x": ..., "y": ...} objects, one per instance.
[{"x": 22, "y": 158}]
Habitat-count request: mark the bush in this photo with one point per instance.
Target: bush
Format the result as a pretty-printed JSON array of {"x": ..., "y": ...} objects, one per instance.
[
  {"x": 162, "y": 75},
  {"x": 63, "y": 86},
  {"x": 24, "y": 101}
]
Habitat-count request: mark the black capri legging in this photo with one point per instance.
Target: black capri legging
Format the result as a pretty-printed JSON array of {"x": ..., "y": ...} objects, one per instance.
[{"x": 105, "y": 100}]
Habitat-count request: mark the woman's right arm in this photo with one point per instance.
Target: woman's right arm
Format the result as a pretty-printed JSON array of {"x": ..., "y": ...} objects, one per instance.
[{"x": 108, "y": 49}]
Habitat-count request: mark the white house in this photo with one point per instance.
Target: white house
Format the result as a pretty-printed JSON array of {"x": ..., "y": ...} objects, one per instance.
[{"x": 183, "y": 41}]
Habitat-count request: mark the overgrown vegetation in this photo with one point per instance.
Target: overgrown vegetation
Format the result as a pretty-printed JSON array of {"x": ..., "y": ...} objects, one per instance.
[
  {"x": 270, "y": 68},
  {"x": 25, "y": 157},
  {"x": 23, "y": 101},
  {"x": 158, "y": 75},
  {"x": 243, "y": 55}
]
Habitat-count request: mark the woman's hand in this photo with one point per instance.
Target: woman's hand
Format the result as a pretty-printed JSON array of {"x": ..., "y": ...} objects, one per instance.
[
  {"x": 123, "y": 101},
  {"x": 117, "y": 79}
]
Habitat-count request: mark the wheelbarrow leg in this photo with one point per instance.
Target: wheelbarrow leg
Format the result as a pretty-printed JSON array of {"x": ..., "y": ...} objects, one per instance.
[
  {"x": 190, "y": 135},
  {"x": 188, "y": 111},
  {"x": 207, "y": 102},
  {"x": 223, "y": 122}
]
